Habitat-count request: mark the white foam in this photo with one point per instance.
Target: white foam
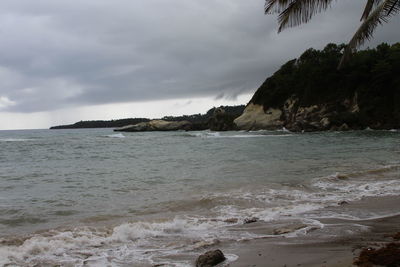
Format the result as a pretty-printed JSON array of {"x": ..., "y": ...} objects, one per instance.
[
  {"x": 151, "y": 241},
  {"x": 119, "y": 135},
  {"x": 205, "y": 134},
  {"x": 258, "y": 135},
  {"x": 219, "y": 135},
  {"x": 15, "y": 139},
  {"x": 126, "y": 243},
  {"x": 243, "y": 136},
  {"x": 280, "y": 202}
]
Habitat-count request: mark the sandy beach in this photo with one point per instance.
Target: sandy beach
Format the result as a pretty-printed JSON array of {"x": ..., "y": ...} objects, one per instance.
[{"x": 317, "y": 248}]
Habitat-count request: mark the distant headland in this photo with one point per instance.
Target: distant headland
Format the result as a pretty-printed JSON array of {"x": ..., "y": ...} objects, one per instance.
[{"x": 218, "y": 119}]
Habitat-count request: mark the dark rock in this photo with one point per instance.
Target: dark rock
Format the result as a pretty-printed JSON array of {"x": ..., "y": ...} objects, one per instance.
[
  {"x": 231, "y": 220},
  {"x": 343, "y": 127},
  {"x": 341, "y": 203},
  {"x": 250, "y": 220},
  {"x": 210, "y": 258},
  {"x": 388, "y": 255},
  {"x": 334, "y": 128},
  {"x": 221, "y": 121},
  {"x": 396, "y": 236}
]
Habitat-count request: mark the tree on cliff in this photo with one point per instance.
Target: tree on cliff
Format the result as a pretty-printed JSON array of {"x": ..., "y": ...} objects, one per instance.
[
  {"x": 371, "y": 79},
  {"x": 292, "y": 13}
]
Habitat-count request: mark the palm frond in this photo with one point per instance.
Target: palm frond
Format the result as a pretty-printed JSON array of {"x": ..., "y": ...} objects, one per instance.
[
  {"x": 276, "y": 6},
  {"x": 379, "y": 15},
  {"x": 394, "y": 8},
  {"x": 368, "y": 7},
  {"x": 301, "y": 11}
]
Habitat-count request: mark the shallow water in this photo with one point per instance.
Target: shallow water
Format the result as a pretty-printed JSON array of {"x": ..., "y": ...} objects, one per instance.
[{"x": 97, "y": 197}]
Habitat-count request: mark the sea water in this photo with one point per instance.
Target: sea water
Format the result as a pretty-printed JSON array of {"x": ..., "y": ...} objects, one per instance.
[{"x": 93, "y": 197}]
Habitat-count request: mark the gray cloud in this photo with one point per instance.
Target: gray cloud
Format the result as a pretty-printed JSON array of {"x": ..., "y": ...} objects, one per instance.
[{"x": 56, "y": 54}]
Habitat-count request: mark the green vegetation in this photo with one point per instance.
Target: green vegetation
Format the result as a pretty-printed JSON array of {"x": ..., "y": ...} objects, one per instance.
[
  {"x": 100, "y": 124},
  {"x": 372, "y": 76}
]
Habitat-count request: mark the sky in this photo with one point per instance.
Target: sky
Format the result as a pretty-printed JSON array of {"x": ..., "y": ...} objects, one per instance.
[{"x": 69, "y": 60}]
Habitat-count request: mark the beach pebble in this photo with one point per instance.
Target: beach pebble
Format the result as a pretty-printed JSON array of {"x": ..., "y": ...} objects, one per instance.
[
  {"x": 231, "y": 220},
  {"x": 250, "y": 220},
  {"x": 210, "y": 258}
]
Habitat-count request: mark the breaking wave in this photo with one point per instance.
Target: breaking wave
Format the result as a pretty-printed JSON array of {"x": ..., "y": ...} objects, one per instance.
[
  {"x": 15, "y": 139},
  {"x": 251, "y": 135},
  {"x": 290, "y": 210},
  {"x": 119, "y": 135}
]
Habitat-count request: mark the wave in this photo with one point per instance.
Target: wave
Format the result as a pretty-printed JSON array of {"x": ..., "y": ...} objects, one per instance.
[
  {"x": 228, "y": 135},
  {"x": 15, "y": 139},
  {"x": 279, "y": 201},
  {"x": 119, "y": 135},
  {"x": 279, "y": 209},
  {"x": 258, "y": 135},
  {"x": 136, "y": 242}
]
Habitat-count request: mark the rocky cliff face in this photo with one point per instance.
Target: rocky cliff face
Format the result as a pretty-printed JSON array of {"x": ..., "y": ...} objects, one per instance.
[
  {"x": 294, "y": 117},
  {"x": 310, "y": 94},
  {"x": 254, "y": 118},
  {"x": 221, "y": 120}
]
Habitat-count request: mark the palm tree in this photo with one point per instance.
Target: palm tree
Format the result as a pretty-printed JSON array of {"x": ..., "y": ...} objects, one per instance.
[{"x": 292, "y": 13}]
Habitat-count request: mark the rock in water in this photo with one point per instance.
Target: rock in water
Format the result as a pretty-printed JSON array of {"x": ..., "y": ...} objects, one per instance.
[
  {"x": 210, "y": 258},
  {"x": 156, "y": 125}
]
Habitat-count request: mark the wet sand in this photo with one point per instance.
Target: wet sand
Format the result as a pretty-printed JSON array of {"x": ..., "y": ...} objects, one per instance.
[{"x": 318, "y": 248}]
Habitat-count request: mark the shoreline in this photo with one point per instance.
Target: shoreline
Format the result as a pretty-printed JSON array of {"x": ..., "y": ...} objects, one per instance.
[
  {"x": 337, "y": 243},
  {"x": 316, "y": 249}
]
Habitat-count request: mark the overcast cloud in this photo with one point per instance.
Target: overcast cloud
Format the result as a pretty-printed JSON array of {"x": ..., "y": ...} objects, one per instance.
[{"x": 68, "y": 54}]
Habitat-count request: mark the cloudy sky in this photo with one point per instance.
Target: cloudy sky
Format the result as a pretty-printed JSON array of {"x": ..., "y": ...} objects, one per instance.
[{"x": 68, "y": 60}]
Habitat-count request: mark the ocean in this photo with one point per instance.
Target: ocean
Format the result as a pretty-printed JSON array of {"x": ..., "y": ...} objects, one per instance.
[{"x": 92, "y": 197}]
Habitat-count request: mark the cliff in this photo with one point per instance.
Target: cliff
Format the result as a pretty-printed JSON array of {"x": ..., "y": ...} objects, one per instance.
[{"x": 311, "y": 94}]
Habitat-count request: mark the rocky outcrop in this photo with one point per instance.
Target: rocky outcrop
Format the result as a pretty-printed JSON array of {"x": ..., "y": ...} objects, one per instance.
[
  {"x": 255, "y": 118},
  {"x": 156, "y": 125},
  {"x": 210, "y": 258},
  {"x": 221, "y": 121},
  {"x": 309, "y": 118},
  {"x": 340, "y": 116}
]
